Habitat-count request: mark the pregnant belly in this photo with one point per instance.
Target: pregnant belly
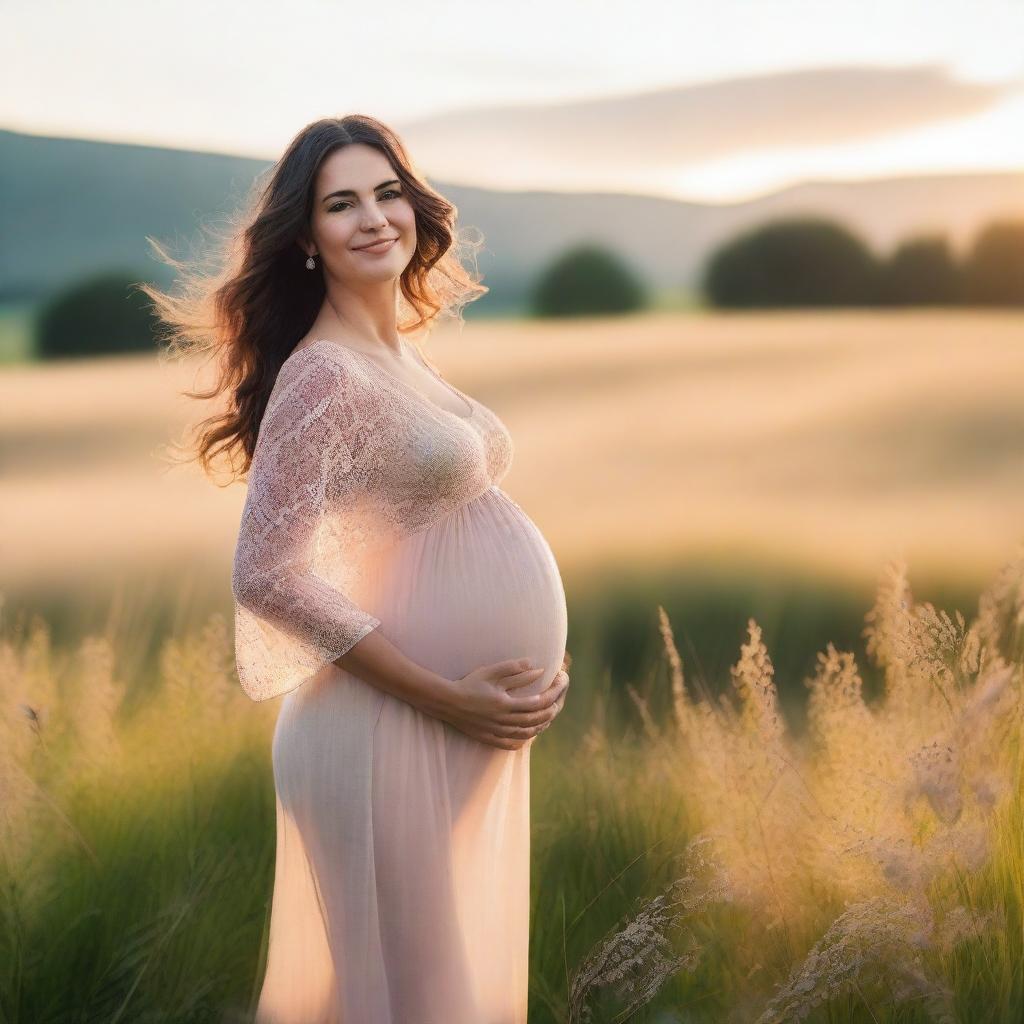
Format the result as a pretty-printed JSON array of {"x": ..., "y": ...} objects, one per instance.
[{"x": 478, "y": 587}]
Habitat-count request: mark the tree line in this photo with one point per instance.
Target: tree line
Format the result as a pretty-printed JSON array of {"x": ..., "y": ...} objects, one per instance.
[
  {"x": 804, "y": 262},
  {"x": 790, "y": 262}
]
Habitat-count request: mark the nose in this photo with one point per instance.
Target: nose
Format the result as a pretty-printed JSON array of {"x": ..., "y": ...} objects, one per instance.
[{"x": 373, "y": 218}]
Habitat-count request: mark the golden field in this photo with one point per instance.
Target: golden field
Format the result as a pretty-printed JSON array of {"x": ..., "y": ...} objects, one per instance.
[{"x": 823, "y": 439}]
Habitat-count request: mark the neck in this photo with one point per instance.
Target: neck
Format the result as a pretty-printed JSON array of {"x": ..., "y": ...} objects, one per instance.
[{"x": 369, "y": 315}]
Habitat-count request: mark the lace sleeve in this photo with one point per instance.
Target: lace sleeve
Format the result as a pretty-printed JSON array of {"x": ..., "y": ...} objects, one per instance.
[{"x": 289, "y": 621}]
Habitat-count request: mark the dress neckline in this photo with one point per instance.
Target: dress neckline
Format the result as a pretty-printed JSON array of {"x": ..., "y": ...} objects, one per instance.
[{"x": 405, "y": 384}]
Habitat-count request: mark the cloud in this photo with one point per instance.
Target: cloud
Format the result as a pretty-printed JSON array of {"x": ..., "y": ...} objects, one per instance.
[{"x": 674, "y": 127}]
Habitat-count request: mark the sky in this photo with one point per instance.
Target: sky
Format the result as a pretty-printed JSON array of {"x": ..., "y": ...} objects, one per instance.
[{"x": 243, "y": 77}]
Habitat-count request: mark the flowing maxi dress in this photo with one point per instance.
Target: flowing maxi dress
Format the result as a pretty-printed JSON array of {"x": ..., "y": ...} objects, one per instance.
[{"x": 401, "y": 886}]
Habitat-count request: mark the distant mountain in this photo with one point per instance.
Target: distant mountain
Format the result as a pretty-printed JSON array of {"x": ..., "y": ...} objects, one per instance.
[{"x": 73, "y": 207}]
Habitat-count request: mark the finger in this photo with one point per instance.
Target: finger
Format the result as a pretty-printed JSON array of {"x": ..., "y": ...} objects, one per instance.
[
  {"x": 493, "y": 740},
  {"x": 524, "y": 720},
  {"x": 522, "y": 678},
  {"x": 511, "y": 732},
  {"x": 533, "y": 702},
  {"x": 550, "y": 713},
  {"x": 511, "y": 666},
  {"x": 558, "y": 681},
  {"x": 520, "y": 719},
  {"x": 561, "y": 684}
]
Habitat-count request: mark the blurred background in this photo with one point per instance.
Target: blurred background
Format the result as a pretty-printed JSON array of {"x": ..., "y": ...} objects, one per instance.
[{"x": 755, "y": 319}]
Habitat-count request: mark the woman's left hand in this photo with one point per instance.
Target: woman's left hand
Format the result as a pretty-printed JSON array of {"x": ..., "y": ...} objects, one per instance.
[{"x": 561, "y": 679}]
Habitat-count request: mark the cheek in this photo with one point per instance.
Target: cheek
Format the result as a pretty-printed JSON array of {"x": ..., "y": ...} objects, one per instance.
[
  {"x": 405, "y": 218},
  {"x": 335, "y": 231}
]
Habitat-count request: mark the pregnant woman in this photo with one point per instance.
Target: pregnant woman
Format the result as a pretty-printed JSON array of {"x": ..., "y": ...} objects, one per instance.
[{"x": 409, "y": 612}]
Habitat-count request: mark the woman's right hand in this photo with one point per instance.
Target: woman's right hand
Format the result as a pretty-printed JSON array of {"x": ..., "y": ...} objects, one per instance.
[{"x": 485, "y": 707}]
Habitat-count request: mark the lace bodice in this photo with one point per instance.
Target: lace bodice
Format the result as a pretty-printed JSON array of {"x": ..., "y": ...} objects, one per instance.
[{"x": 349, "y": 460}]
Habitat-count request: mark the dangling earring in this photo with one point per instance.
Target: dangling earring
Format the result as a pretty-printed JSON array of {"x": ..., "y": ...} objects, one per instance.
[{"x": 310, "y": 263}]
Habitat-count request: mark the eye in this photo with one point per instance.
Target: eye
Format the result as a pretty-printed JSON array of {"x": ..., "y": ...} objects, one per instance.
[{"x": 388, "y": 191}]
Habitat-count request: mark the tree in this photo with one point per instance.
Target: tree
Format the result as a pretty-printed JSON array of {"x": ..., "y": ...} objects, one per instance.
[
  {"x": 97, "y": 316},
  {"x": 921, "y": 271},
  {"x": 994, "y": 269},
  {"x": 804, "y": 261},
  {"x": 587, "y": 279}
]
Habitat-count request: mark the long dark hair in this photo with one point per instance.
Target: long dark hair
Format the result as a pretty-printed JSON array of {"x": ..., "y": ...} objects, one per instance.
[{"x": 251, "y": 310}]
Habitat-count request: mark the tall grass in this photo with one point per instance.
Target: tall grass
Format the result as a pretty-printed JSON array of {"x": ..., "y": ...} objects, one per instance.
[
  {"x": 703, "y": 863},
  {"x": 874, "y": 863},
  {"x": 136, "y": 835}
]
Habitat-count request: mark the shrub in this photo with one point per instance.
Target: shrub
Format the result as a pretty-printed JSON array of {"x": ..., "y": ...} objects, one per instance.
[
  {"x": 794, "y": 262},
  {"x": 920, "y": 272},
  {"x": 100, "y": 315},
  {"x": 587, "y": 279}
]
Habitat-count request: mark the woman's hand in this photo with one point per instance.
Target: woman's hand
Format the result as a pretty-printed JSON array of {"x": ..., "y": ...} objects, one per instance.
[
  {"x": 484, "y": 706},
  {"x": 561, "y": 678}
]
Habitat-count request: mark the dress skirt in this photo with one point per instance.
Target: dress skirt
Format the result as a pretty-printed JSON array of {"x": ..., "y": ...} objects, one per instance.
[{"x": 402, "y": 880}]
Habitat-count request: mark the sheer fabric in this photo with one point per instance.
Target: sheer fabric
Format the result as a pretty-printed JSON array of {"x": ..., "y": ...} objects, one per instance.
[{"x": 401, "y": 888}]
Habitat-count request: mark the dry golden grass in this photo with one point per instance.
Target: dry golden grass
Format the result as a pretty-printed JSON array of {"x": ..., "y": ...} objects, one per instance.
[{"x": 904, "y": 816}]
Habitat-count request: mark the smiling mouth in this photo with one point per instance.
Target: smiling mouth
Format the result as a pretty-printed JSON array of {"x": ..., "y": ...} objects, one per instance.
[{"x": 381, "y": 245}]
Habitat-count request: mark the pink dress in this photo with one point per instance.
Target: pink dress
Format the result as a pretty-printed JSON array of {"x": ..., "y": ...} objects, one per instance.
[{"x": 401, "y": 888}]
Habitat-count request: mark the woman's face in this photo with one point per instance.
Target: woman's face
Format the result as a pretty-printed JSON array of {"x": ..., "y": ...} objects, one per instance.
[{"x": 360, "y": 200}]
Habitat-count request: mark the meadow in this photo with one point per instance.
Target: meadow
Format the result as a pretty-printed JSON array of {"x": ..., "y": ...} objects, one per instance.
[{"x": 786, "y": 784}]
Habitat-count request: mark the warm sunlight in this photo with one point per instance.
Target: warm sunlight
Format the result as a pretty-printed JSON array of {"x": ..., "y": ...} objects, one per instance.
[
  {"x": 512, "y": 514},
  {"x": 989, "y": 141}
]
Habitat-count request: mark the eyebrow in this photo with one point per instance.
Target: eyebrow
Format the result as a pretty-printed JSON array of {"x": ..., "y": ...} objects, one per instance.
[{"x": 349, "y": 192}]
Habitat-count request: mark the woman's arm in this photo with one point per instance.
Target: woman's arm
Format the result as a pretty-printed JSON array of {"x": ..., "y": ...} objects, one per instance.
[
  {"x": 289, "y": 621},
  {"x": 380, "y": 663}
]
